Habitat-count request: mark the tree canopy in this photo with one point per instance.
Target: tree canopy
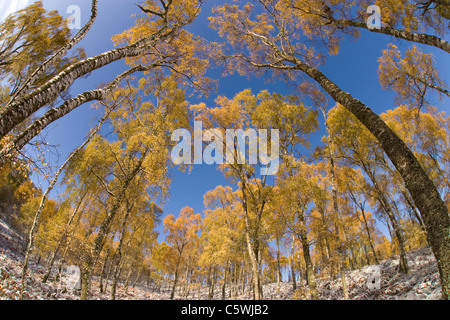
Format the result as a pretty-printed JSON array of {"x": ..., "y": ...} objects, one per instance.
[{"x": 317, "y": 179}]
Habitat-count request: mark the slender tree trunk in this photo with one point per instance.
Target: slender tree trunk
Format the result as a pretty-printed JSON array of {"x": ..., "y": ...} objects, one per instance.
[
  {"x": 174, "y": 285},
  {"x": 292, "y": 264},
  {"x": 127, "y": 280},
  {"x": 239, "y": 280},
  {"x": 234, "y": 281},
  {"x": 214, "y": 278},
  {"x": 119, "y": 251},
  {"x": 278, "y": 265},
  {"x": 198, "y": 289},
  {"x": 251, "y": 251},
  {"x": 224, "y": 282},
  {"x": 336, "y": 211},
  {"x": 209, "y": 281},
  {"x": 398, "y": 230},
  {"x": 412, "y": 207},
  {"x": 106, "y": 223},
  {"x": 175, "y": 280},
  {"x": 260, "y": 284},
  {"x": 242, "y": 279},
  {"x": 186, "y": 282},
  {"x": 61, "y": 241},
  {"x": 303, "y": 237},
  {"x": 116, "y": 275},
  {"x": 108, "y": 274},
  {"x": 102, "y": 272},
  {"x": 35, "y": 224},
  {"x": 62, "y": 261},
  {"x": 369, "y": 236},
  {"x": 329, "y": 256},
  {"x": 366, "y": 255},
  {"x": 138, "y": 277}
]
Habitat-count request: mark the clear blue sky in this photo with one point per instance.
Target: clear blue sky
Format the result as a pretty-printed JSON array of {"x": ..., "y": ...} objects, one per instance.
[{"x": 354, "y": 70}]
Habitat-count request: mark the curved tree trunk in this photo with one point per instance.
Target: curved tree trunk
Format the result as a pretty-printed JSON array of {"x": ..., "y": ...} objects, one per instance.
[
  {"x": 423, "y": 38},
  {"x": 27, "y": 134},
  {"x": 61, "y": 52},
  {"x": 422, "y": 189},
  {"x": 20, "y": 110}
]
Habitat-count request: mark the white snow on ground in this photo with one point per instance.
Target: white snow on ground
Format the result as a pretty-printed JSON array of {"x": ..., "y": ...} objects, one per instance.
[{"x": 421, "y": 283}]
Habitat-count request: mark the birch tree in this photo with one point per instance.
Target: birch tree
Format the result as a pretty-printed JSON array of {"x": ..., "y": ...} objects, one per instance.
[
  {"x": 158, "y": 42},
  {"x": 267, "y": 36},
  {"x": 182, "y": 233}
]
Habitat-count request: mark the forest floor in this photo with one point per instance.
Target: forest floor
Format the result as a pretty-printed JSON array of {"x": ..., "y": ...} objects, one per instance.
[{"x": 421, "y": 283}]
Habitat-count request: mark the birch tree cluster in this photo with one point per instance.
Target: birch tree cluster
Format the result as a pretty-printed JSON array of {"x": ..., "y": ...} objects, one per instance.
[{"x": 376, "y": 185}]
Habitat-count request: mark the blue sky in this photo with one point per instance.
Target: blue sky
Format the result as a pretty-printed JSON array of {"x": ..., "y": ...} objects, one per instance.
[
  {"x": 7, "y": 7},
  {"x": 354, "y": 70}
]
